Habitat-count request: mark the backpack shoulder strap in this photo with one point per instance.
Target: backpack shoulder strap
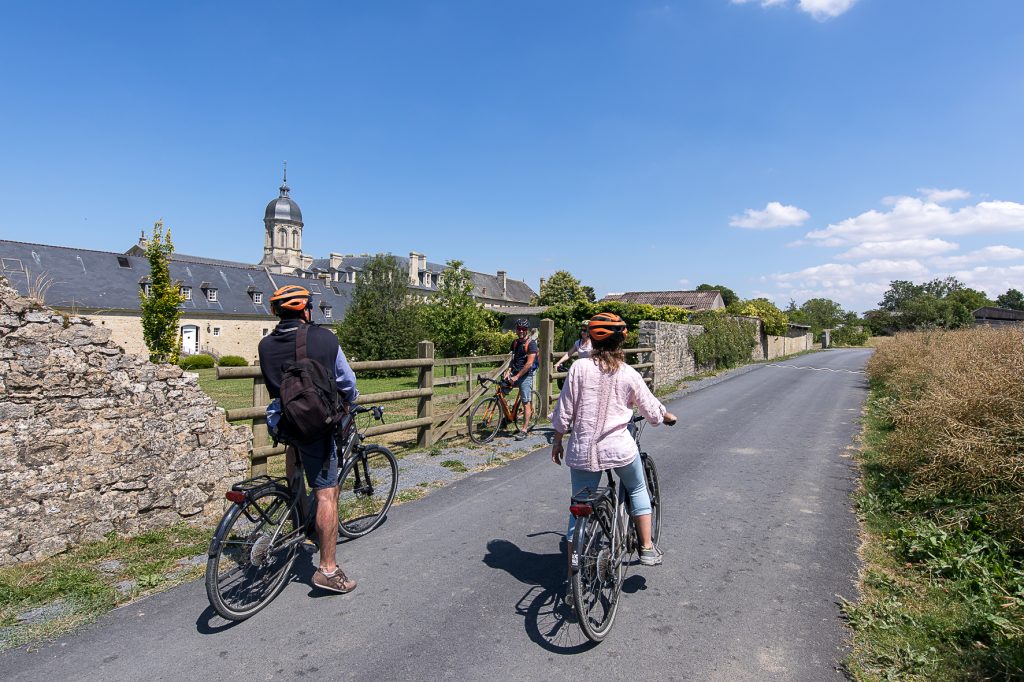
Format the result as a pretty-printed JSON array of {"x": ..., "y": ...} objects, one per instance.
[{"x": 300, "y": 342}]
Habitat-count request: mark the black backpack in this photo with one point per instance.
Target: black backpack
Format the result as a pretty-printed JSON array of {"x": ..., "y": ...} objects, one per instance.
[{"x": 310, "y": 405}]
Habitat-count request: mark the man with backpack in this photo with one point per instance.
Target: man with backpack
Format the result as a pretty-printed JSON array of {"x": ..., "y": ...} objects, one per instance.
[
  {"x": 520, "y": 371},
  {"x": 311, "y": 384}
]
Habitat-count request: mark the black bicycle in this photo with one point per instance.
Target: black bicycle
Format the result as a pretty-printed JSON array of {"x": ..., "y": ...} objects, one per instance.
[
  {"x": 254, "y": 546},
  {"x": 604, "y": 542}
]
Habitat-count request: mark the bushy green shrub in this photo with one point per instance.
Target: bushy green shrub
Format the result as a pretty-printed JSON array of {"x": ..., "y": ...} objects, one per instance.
[
  {"x": 493, "y": 342},
  {"x": 850, "y": 335},
  {"x": 233, "y": 361},
  {"x": 200, "y": 361},
  {"x": 726, "y": 342}
]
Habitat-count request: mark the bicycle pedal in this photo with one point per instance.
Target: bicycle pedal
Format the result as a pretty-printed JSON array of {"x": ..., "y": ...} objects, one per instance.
[{"x": 310, "y": 546}]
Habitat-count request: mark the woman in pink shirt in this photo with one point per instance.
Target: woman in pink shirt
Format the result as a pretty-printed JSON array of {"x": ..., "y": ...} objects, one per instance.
[{"x": 596, "y": 403}]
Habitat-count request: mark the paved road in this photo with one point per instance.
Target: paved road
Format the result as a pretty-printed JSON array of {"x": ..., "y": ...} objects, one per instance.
[{"x": 759, "y": 540}]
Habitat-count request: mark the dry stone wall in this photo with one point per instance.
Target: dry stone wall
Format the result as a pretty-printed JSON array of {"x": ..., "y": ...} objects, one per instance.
[
  {"x": 673, "y": 359},
  {"x": 93, "y": 440}
]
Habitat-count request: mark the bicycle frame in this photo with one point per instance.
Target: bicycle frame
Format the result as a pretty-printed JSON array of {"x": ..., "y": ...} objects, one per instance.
[{"x": 509, "y": 414}]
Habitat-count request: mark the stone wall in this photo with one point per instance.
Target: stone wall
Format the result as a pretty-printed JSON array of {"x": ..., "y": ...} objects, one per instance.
[
  {"x": 93, "y": 440},
  {"x": 673, "y": 360},
  {"x": 778, "y": 346}
]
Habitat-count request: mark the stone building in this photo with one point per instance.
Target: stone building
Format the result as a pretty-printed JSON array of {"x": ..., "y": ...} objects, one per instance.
[{"x": 226, "y": 308}]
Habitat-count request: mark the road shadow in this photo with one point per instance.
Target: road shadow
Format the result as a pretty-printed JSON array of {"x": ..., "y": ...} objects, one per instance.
[{"x": 549, "y": 621}]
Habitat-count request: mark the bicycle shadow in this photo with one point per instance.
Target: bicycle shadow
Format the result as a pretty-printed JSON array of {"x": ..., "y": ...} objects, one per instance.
[{"x": 549, "y": 621}]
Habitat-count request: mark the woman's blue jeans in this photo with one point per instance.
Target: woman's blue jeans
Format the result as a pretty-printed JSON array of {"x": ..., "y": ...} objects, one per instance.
[{"x": 630, "y": 475}]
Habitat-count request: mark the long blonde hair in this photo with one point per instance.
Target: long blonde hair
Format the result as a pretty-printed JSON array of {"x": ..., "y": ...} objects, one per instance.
[{"x": 608, "y": 353}]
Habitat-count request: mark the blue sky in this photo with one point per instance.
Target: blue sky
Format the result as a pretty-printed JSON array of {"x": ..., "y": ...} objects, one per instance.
[{"x": 785, "y": 148}]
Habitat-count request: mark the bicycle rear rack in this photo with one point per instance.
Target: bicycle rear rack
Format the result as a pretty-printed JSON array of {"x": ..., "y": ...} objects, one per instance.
[
  {"x": 254, "y": 487},
  {"x": 583, "y": 502}
]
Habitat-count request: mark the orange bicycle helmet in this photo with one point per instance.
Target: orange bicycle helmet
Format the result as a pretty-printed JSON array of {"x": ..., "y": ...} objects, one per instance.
[
  {"x": 606, "y": 325},
  {"x": 291, "y": 297}
]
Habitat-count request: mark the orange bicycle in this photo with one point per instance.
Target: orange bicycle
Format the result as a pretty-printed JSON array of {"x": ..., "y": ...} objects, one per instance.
[{"x": 493, "y": 413}]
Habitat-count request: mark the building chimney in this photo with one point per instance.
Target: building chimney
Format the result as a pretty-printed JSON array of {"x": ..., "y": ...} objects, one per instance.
[
  {"x": 541, "y": 289},
  {"x": 414, "y": 268},
  {"x": 336, "y": 259},
  {"x": 503, "y": 278}
]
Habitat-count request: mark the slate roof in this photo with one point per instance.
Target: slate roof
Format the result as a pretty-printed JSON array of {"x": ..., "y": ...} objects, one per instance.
[
  {"x": 95, "y": 281},
  {"x": 998, "y": 315},
  {"x": 694, "y": 300},
  {"x": 335, "y": 295}
]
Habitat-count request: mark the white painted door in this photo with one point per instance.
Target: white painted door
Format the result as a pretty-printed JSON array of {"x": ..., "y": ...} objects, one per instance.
[{"x": 189, "y": 339}]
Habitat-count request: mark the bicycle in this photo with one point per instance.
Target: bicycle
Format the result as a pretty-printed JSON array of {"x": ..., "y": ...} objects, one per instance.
[
  {"x": 255, "y": 544},
  {"x": 603, "y": 543},
  {"x": 493, "y": 413}
]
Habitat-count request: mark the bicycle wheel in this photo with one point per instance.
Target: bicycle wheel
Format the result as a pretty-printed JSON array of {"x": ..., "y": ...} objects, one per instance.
[
  {"x": 485, "y": 420},
  {"x": 651, "y": 474},
  {"x": 521, "y": 413},
  {"x": 366, "y": 490},
  {"x": 595, "y": 576},
  {"x": 251, "y": 554}
]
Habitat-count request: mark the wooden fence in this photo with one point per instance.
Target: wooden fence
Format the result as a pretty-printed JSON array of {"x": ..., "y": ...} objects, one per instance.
[{"x": 431, "y": 427}]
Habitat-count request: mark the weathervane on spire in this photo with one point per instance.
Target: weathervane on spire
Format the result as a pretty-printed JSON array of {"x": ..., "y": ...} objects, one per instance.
[{"x": 284, "y": 182}]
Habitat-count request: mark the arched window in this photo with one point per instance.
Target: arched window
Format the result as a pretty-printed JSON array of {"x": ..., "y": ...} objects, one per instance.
[
  {"x": 295, "y": 239},
  {"x": 282, "y": 238}
]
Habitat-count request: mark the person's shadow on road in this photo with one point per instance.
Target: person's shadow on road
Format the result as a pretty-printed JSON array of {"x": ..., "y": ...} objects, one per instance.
[{"x": 549, "y": 620}]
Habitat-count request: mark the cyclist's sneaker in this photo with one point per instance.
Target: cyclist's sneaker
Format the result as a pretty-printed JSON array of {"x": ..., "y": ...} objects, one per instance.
[
  {"x": 335, "y": 582},
  {"x": 522, "y": 435},
  {"x": 651, "y": 556}
]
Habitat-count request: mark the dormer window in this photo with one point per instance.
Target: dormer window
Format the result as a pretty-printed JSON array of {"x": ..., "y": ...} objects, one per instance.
[
  {"x": 147, "y": 288},
  {"x": 186, "y": 293},
  {"x": 124, "y": 262},
  {"x": 328, "y": 312},
  {"x": 426, "y": 279},
  {"x": 211, "y": 295},
  {"x": 257, "y": 297}
]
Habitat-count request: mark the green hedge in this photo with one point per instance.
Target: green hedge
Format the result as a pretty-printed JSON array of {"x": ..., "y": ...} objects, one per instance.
[
  {"x": 201, "y": 361},
  {"x": 233, "y": 361},
  {"x": 726, "y": 342}
]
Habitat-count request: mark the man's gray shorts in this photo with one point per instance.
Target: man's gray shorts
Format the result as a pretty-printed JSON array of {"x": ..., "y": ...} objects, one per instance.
[{"x": 525, "y": 385}]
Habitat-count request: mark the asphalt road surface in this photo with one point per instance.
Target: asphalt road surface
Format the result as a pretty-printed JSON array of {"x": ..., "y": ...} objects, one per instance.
[{"x": 758, "y": 532}]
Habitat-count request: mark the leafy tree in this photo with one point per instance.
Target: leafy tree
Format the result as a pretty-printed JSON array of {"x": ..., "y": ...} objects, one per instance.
[
  {"x": 726, "y": 341},
  {"x": 728, "y": 295},
  {"x": 1012, "y": 299},
  {"x": 775, "y": 321},
  {"x": 944, "y": 303},
  {"x": 591, "y": 294},
  {"x": 562, "y": 289},
  {"x": 383, "y": 321},
  {"x": 453, "y": 319},
  {"x": 159, "y": 301}
]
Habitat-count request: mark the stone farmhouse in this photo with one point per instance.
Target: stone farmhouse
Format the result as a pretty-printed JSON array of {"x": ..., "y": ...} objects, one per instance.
[
  {"x": 691, "y": 300},
  {"x": 226, "y": 308}
]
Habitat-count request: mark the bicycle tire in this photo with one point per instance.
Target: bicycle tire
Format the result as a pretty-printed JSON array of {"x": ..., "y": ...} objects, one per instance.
[
  {"x": 244, "y": 571},
  {"x": 366, "y": 490},
  {"x": 520, "y": 413},
  {"x": 654, "y": 490},
  {"x": 595, "y": 582},
  {"x": 485, "y": 420}
]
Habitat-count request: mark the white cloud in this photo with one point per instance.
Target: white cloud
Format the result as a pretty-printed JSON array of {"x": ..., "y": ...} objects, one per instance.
[
  {"x": 904, "y": 247},
  {"x": 826, "y": 9},
  {"x": 913, "y": 218},
  {"x": 819, "y": 9},
  {"x": 994, "y": 281},
  {"x": 941, "y": 196},
  {"x": 684, "y": 282},
  {"x": 773, "y": 215},
  {"x": 987, "y": 254}
]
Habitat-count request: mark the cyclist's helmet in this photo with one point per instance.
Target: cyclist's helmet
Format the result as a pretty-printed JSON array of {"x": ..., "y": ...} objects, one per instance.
[
  {"x": 522, "y": 323},
  {"x": 291, "y": 297},
  {"x": 607, "y": 326}
]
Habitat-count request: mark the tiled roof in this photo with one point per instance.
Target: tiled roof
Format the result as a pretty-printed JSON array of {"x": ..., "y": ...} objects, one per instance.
[
  {"x": 694, "y": 300},
  {"x": 89, "y": 280}
]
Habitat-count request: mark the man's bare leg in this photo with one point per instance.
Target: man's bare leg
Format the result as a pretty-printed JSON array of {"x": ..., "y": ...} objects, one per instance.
[{"x": 327, "y": 527}]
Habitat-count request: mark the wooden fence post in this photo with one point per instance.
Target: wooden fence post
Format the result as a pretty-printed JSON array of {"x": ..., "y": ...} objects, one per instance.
[
  {"x": 545, "y": 344},
  {"x": 426, "y": 405},
  {"x": 260, "y": 434}
]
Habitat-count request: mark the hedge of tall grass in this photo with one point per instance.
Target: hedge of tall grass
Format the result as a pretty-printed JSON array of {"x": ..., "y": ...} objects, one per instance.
[{"x": 955, "y": 402}]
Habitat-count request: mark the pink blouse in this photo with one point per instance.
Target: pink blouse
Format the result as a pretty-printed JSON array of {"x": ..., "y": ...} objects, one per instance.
[{"x": 598, "y": 408}]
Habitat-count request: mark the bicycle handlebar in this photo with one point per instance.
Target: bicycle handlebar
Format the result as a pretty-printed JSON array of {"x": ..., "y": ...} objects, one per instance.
[
  {"x": 377, "y": 410},
  {"x": 640, "y": 418}
]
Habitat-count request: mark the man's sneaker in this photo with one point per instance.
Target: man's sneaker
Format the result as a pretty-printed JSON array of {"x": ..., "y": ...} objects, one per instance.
[
  {"x": 651, "y": 556},
  {"x": 336, "y": 582},
  {"x": 522, "y": 435}
]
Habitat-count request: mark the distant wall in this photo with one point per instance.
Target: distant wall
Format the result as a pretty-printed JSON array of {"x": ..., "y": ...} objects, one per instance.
[
  {"x": 93, "y": 440},
  {"x": 237, "y": 336},
  {"x": 673, "y": 359}
]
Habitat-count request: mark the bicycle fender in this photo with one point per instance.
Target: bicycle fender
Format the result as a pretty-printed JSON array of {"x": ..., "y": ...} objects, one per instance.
[{"x": 222, "y": 527}]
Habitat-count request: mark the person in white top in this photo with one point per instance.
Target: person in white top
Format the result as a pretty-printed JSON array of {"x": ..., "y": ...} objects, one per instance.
[
  {"x": 597, "y": 403},
  {"x": 581, "y": 347}
]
